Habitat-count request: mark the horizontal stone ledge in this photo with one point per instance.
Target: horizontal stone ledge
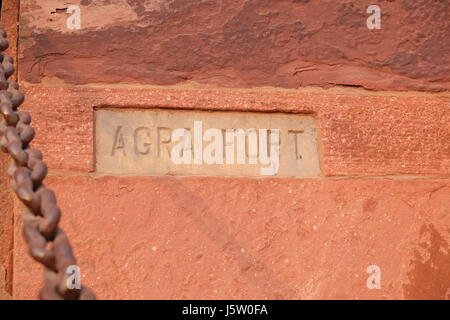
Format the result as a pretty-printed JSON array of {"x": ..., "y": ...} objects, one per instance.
[
  {"x": 357, "y": 135},
  {"x": 242, "y": 43}
]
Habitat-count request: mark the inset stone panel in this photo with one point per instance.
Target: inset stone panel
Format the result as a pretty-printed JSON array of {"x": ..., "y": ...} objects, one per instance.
[{"x": 181, "y": 142}]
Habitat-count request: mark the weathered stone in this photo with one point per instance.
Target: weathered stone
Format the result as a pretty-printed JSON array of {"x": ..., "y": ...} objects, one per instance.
[
  {"x": 6, "y": 230},
  {"x": 239, "y": 43},
  {"x": 383, "y": 198},
  {"x": 9, "y": 13},
  {"x": 246, "y": 238},
  {"x": 177, "y": 142},
  {"x": 359, "y": 134}
]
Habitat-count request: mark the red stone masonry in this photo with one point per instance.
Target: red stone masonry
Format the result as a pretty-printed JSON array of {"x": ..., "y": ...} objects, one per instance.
[
  {"x": 240, "y": 43},
  {"x": 383, "y": 196},
  {"x": 242, "y": 238},
  {"x": 359, "y": 134},
  {"x": 9, "y": 14}
]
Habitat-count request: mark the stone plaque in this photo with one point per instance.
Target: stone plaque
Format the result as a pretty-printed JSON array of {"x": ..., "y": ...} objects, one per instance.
[{"x": 181, "y": 142}]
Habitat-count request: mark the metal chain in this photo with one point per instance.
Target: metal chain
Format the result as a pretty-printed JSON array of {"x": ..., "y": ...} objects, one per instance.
[{"x": 48, "y": 244}]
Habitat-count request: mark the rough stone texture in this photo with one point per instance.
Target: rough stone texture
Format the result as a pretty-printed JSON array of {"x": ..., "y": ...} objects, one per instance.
[
  {"x": 6, "y": 231},
  {"x": 10, "y": 10},
  {"x": 239, "y": 43},
  {"x": 359, "y": 134},
  {"x": 229, "y": 238},
  {"x": 140, "y": 142},
  {"x": 224, "y": 238}
]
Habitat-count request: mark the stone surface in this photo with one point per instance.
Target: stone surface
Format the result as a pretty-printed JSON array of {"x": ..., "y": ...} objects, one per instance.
[
  {"x": 358, "y": 133},
  {"x": 180, "y": 142},
  {"x": 384, "y": 195},
  {"x": 239, "y": 43},
  {"x": 243, "y": 238},
  {"x": 6, "y": 231},
  {"x": 9, "y": 13}
]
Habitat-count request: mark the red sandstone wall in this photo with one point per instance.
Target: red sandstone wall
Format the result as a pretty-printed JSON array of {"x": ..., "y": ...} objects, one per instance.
[
  {"x": 10, "y": 10},
  {"x": 240, "y": 43},
  {"x": 384, "y": 194}
]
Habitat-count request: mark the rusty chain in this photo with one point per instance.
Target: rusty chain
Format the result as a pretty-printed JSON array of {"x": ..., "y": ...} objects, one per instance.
[{"x": 48, "y": 244}]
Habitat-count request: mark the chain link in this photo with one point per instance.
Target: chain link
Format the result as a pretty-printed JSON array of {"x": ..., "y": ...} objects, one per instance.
[{"x": 48, "y": 244}]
